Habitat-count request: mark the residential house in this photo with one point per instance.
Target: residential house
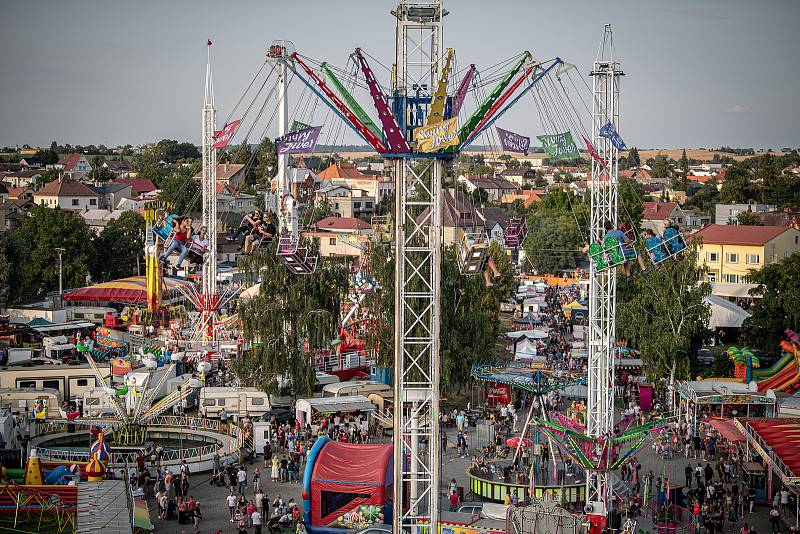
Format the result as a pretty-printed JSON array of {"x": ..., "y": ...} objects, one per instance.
[
  {"x": 519, "y": 176},
  {"x": 230, "y": 199},
  {"x": 97, "y": 219},
  {"x": 341, "y": 236},
  {"x": 111, "y": 194},
  {"x": 16, "y": 193},
  {"x": 730, "y": 252},
  {"x": 22, "y": 178},
  {"x": 139, "y": 186},
  {"x": 4, "y": 193},
  {"x": 73, "y": 163},
  {"x": 228, "y": 172},
  {"x": 495, "y": 221},
  {"x": 658, "y": 215},
  {"x": 527, "y": 196},
  {"x": 14, "y": 212},
  {"x": 312, "y": 163},
  {"x": 495, "y": 187},
  {"x": 695, "y": 221},
  {"x": 458, "y": 214},
  {"x": 786, "y": 217},
  {"x": 120, "y": 168},
  {"x": 67, "y": 194},
  {"x": 29, "y": 163},
  {"x": 347, "y": 201},
  {"x": 378, "y": 187},
  {"x": 727, "y": 213}
]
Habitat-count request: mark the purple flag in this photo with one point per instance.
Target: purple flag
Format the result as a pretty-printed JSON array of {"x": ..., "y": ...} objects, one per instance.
[
  {"x": 299, "y": 142},
  {"x": 512, "y": 142}
]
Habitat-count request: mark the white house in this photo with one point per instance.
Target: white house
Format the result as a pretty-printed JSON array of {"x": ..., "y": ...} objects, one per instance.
[{"x": 68, "y": 195}]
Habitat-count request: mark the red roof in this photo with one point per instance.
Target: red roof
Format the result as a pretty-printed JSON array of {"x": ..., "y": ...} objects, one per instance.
[
  {"x": 783, "y": 437},
  {"x": 126, "y": 290},
  {"x": 342, "y": 223},
  {"x": 342, "y": 171},
  {"x": 658, "y": 211},
  {"x": 139, "y": 185},
  {"x": 66, "y": 188},
  {"x": 727, "y": 234},
  {"x": 70, "y": 160},
  {"x": 225, "y": 171}
]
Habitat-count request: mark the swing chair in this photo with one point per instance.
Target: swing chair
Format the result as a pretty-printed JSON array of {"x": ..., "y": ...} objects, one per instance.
[
  {"x": 163, "y": 227},
  {"x": 610, "y": 254},
  {"x": 473, "y": 247},
  {"x": 516, "y": 232},
  {"x": 382, "y": 227},
  {"x": 296, "y": 257},
  {"x": 666, "y": 246}
]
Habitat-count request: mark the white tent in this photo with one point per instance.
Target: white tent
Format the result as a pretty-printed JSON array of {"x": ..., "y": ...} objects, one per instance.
[
  {"x": 249, "y": 293},
  {"x": 530, "y": 334},
  {"x": 725, "y": 314}
]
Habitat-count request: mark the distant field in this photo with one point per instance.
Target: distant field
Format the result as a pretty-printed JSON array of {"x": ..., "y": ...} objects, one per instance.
[{"x": 672, "y": 153}]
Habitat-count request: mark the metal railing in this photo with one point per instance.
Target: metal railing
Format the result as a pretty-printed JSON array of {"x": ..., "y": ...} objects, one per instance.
[{"x": 341, "y": 362}]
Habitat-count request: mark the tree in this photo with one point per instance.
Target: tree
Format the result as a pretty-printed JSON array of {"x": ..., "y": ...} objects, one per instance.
[
  {"x": 15, "y": 253},
  {"x": 43, "y": 232},
  {"x": 317, "y": 212},
  {"x": 183, "y": 190},
  {"x": 125, "y": 237},
  {"x": 683, "y": 163},
  {"x": 748, "y": 218},
  {"x": 47, "y": 157},
  {"x": 705, "y": 198},
  {"x": 630, "y": 199},
  {"x": 661, "y": 166},
  {"x": 633, "y": 158},
  {"x": 148, "y": 165},
  {"x": 243, "y": 155},
  {"x": 782, "y": 190},
  {"x": 98, "y": 172},
  {"x": 172, "y": 151},
  {"x": 663, "y": 314},
  {"x": 539, "y": 181},
  {"x": 738, "y": 187},
  {"x": 291, "y": 316},
  {"x": 554, "y": 242},
  {"x": 267, "y": 161},
  {"x": 778, "y": 286}
]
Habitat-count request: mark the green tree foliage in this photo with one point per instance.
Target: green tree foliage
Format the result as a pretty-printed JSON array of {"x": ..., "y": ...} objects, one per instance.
[
  {"x": 119, "y": 248},
  {"x": 98, "y": 172},
  {"x": 172, "y": 151},
  {"x": 633, "y": 158},
  {"x": 242, "y": 154},
  {"x": 683, "y": 163},
  {"x": 554, "y": 243},
  {"x": 748, "y": 218},
  {"x": 738, "y": 187},
  {"x": 662, "y": 313},
  {"x": 291, "y": 316},
  {"x": 148, "y": 165},
  {"x": 317, "y": 212},
  {"x": 15, "y": 250},
  {"x": 660, "y": 166},
  {"x": 782, "y": 190},
  {"x": 778, "y": 286},
  {"x": 47, "y": 157},
  {"x": 267, "y": 161},
  {"x": 705, "y": 198},
  {"x": 630, "y": 199},
  {"x": 43, "y": 232},
  {"x": 183, "y": 190}
]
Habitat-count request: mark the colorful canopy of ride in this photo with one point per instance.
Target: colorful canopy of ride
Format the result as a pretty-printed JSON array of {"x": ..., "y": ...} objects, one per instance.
[
  {"x": 782, "y": 438},
  {"x": 131, "y": 290}
]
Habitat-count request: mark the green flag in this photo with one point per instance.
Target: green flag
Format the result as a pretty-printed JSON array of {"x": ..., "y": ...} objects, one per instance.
[
  {"x": 297, "y": 125},
  {"x": 559, "y": 146}
]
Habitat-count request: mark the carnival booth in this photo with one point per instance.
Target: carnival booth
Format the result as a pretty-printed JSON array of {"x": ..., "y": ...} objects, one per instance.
[
  {"x": 347, "y": 486},
  {"x": 700, "y": 399}
]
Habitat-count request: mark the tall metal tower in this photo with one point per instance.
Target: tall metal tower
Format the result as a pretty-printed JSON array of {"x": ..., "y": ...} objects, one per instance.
[
  {"x": 209, "y": 185},
  {"x": 606, "y": 74},
  {"x": 418, "y": 222}
]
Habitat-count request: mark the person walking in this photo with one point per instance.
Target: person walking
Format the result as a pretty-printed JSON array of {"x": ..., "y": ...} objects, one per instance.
[
  {"x": 241, "y": 479},
  {"x": 196, "y": 516},
  {"x": 230, "y": 500},
  {"x": 255, "y": 519}
]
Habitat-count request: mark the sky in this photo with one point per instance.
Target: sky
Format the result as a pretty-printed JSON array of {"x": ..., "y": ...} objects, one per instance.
[{"x": 698, "y": 73}]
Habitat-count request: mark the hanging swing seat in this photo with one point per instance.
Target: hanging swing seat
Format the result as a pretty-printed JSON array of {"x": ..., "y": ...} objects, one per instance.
[
  {"x": 382, "y": 227},
  {"x": 516, "y": 232},
  {"x": 673, "y": 240},
  {"x": 296, "y": 257},
  {"x": 669, "y": 245},
  {"x": 610, "y": 254},
  {"x": 473, "y": 248},
  {"x": 163, "y": 228}
]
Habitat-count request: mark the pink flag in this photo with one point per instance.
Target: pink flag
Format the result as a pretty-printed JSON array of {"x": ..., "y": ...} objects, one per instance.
[
  {"x": 209, "y": 42},
  {"x": 223, "y": 137},
  {"x": 593, "y": 152}
]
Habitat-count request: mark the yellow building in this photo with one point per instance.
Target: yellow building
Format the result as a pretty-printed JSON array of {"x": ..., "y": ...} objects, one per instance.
[{"x": 731, "y": 252}]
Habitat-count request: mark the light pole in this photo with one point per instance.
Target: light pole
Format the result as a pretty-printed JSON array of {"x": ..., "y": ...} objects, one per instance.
[{"x": 60, "y": 251}]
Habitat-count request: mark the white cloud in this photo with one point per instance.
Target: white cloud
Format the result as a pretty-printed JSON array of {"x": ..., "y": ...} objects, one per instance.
[{"x": 738, "y": 108}]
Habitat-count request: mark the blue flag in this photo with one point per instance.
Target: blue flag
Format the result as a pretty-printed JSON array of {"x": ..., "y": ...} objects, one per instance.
[{"x": 609, "y": 132}]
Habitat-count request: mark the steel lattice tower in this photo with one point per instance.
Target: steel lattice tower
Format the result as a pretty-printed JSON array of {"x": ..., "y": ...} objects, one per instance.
[
  {"x": 604, "y": 185},
  {"x": 418, "y": 221},
  {"x": 209, "y": 185}
]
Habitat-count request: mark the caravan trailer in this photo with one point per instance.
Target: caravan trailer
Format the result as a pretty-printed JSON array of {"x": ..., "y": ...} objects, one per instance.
[
  {"x": 24, "y": 400},
  {"x": 355, "y": 387},
  {"x": 249, "y": 402}
]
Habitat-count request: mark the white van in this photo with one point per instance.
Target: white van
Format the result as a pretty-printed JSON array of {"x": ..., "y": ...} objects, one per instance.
[
  {"x": 355, "y": 387},
  {"x": 250, "y": 402},
  {"x": 94, "y": 314}
]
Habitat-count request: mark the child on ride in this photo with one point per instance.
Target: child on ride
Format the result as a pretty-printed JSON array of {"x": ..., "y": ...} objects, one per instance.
[{"x": 182, "y": 233}]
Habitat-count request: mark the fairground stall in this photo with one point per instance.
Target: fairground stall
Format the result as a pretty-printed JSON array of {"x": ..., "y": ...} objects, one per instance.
[{"x": 703, "y": 399}]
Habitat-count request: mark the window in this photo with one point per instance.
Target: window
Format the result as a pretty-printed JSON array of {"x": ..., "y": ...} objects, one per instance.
[
  {"x": 27, "y": 383},
  {"x": 732, "y": 258},
  {"x": 753, "y": 259},
  {"x": 333, "y": 501},
  {"x": 74, "y": 201},
  {"x": 332, "y": 241},
  {"x": 712, "y": 277},
  {"x": 91, "y": 401},
  {"x": 257, "y": 401},
  {"x": 712, "y": 256},
  {"x": 356, "y": 205},
  {"x": 369, "y": 204},
  {"x": 52, "y": 384},
  {"x": 93, "y": 202},
  {"x": 731, "y": 278},
  {"x": 82, "y": 382},
  {"x": 210, "y": 402}
]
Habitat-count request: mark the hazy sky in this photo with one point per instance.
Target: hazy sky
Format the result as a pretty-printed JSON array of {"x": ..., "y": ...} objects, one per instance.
[{"x": 699, "y": 73}]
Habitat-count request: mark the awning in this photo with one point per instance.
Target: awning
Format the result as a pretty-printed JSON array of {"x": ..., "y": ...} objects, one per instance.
[
  {"x": 56, "y": 327},
  {"x": 342, "y": 404},
  {"x": 725, "y": 314},
  {"x": 727, "y": 429}
]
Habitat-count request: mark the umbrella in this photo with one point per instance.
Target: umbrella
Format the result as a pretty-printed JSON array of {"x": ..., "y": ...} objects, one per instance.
[{"x": 514, "y": 442}]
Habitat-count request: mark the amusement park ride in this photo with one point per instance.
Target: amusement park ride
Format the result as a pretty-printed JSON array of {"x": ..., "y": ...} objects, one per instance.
[{"x": 423, "y": 125}]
